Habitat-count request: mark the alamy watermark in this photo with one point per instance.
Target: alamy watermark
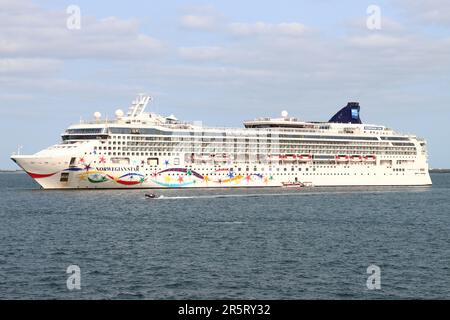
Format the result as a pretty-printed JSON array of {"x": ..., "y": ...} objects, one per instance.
[
  {"x": 373, "y": 21},
  {"x": 73, "y": 21},
  {"x": 374, "y": 280},
  {"x": 74, "y": 280}
]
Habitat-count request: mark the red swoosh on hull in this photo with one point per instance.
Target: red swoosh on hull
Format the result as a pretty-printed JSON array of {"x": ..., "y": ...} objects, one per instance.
[
  {"x": 40, "y": 176},
  {"x": 125, "y": 183},
  {"x": 128, "y": 183}
]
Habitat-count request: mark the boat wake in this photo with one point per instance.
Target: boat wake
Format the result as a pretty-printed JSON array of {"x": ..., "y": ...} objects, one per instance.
[
  {"x": 286, "y": 194},
  {"x": 213, "y": 196}
]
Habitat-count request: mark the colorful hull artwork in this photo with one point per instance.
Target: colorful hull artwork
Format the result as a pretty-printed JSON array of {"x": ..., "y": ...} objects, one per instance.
[
  {"x": 186, "y": 177},
  {"x": 129, "y": 179},
  {"x": 97, "y": 178},
  {"x": 173, "y": 185}
]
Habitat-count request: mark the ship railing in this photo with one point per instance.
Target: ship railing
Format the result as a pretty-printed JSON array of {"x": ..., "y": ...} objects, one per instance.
[
  {"x": 195, "y": 126},
  {"x": 263, "y": 130}
]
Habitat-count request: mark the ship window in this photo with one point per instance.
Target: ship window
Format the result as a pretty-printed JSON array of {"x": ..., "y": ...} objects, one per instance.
[
  {"x": 84, "y": 131},
  {"x": 64, "y": 177},
  {"x": 395, "y": 138},
  {"x": 120, "y": 160},
  {"x": 153, "y": 161},
  {"x": 83, "y": 137}
]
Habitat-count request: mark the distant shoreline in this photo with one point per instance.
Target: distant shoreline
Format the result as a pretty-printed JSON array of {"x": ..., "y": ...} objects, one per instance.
[{"x": 439, "y": 170}]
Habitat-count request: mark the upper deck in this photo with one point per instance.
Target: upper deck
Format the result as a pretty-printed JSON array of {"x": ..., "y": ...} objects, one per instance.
[{"x": 137, "y": 121}]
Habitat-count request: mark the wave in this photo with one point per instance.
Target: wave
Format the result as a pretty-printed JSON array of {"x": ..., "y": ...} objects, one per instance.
[{"x": 296, "y": 194}]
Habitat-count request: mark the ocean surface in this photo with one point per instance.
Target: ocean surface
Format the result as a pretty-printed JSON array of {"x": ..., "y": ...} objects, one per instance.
[{"x": 314, "y": 243}]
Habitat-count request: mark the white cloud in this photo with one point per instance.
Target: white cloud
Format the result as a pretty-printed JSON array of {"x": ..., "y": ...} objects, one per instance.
[
  {"x": 210, "y": 75},
  {"x": 201, "y": 53},
  {"x": 388, "y": 25},
  {"x": 27, "y": 66},
  {"x": 434, "y": 12},
  {"x": 28, "y": 31},
  {"x": 16, "y": 6},
  {"x": 378, "y": 40},
  {"x": 292, "y": 29},
  {"x": 201, "y": 18},
  {"x": 200, "y": 22}
]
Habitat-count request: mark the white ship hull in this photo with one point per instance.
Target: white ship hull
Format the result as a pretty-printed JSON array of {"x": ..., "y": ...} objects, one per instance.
[{"x": 48, "y": 176}]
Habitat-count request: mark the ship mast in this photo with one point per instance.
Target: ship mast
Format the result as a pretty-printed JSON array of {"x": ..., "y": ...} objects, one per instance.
[{"x": 138, "y": 105}]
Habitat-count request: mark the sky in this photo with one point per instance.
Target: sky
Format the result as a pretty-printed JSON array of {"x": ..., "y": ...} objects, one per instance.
[{"x": 223, "y": 62}]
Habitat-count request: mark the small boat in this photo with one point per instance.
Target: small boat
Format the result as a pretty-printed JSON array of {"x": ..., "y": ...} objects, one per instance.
[
  {"x": 293, "y": 185},
  {"x": 151, "y": 196}
]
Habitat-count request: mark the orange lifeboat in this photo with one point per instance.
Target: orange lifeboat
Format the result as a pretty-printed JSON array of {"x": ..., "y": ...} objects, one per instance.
[
  {"x": 370, "y": 158},
  {"x": 356, "y": 158},
  {"x": 342, "y": 158},
  {"x": 304, "y": 157}
]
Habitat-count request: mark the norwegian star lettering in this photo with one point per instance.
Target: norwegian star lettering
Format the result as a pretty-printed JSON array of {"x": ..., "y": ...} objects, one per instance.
[{"x": 120, "y": 169}]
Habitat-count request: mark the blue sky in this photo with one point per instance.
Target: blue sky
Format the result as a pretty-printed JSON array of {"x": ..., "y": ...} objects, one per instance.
[{"x": 223, "y": 62}]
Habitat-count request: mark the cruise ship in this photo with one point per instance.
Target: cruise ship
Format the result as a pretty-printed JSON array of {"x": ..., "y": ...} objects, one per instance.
[{"x": 142, "y": 149}]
